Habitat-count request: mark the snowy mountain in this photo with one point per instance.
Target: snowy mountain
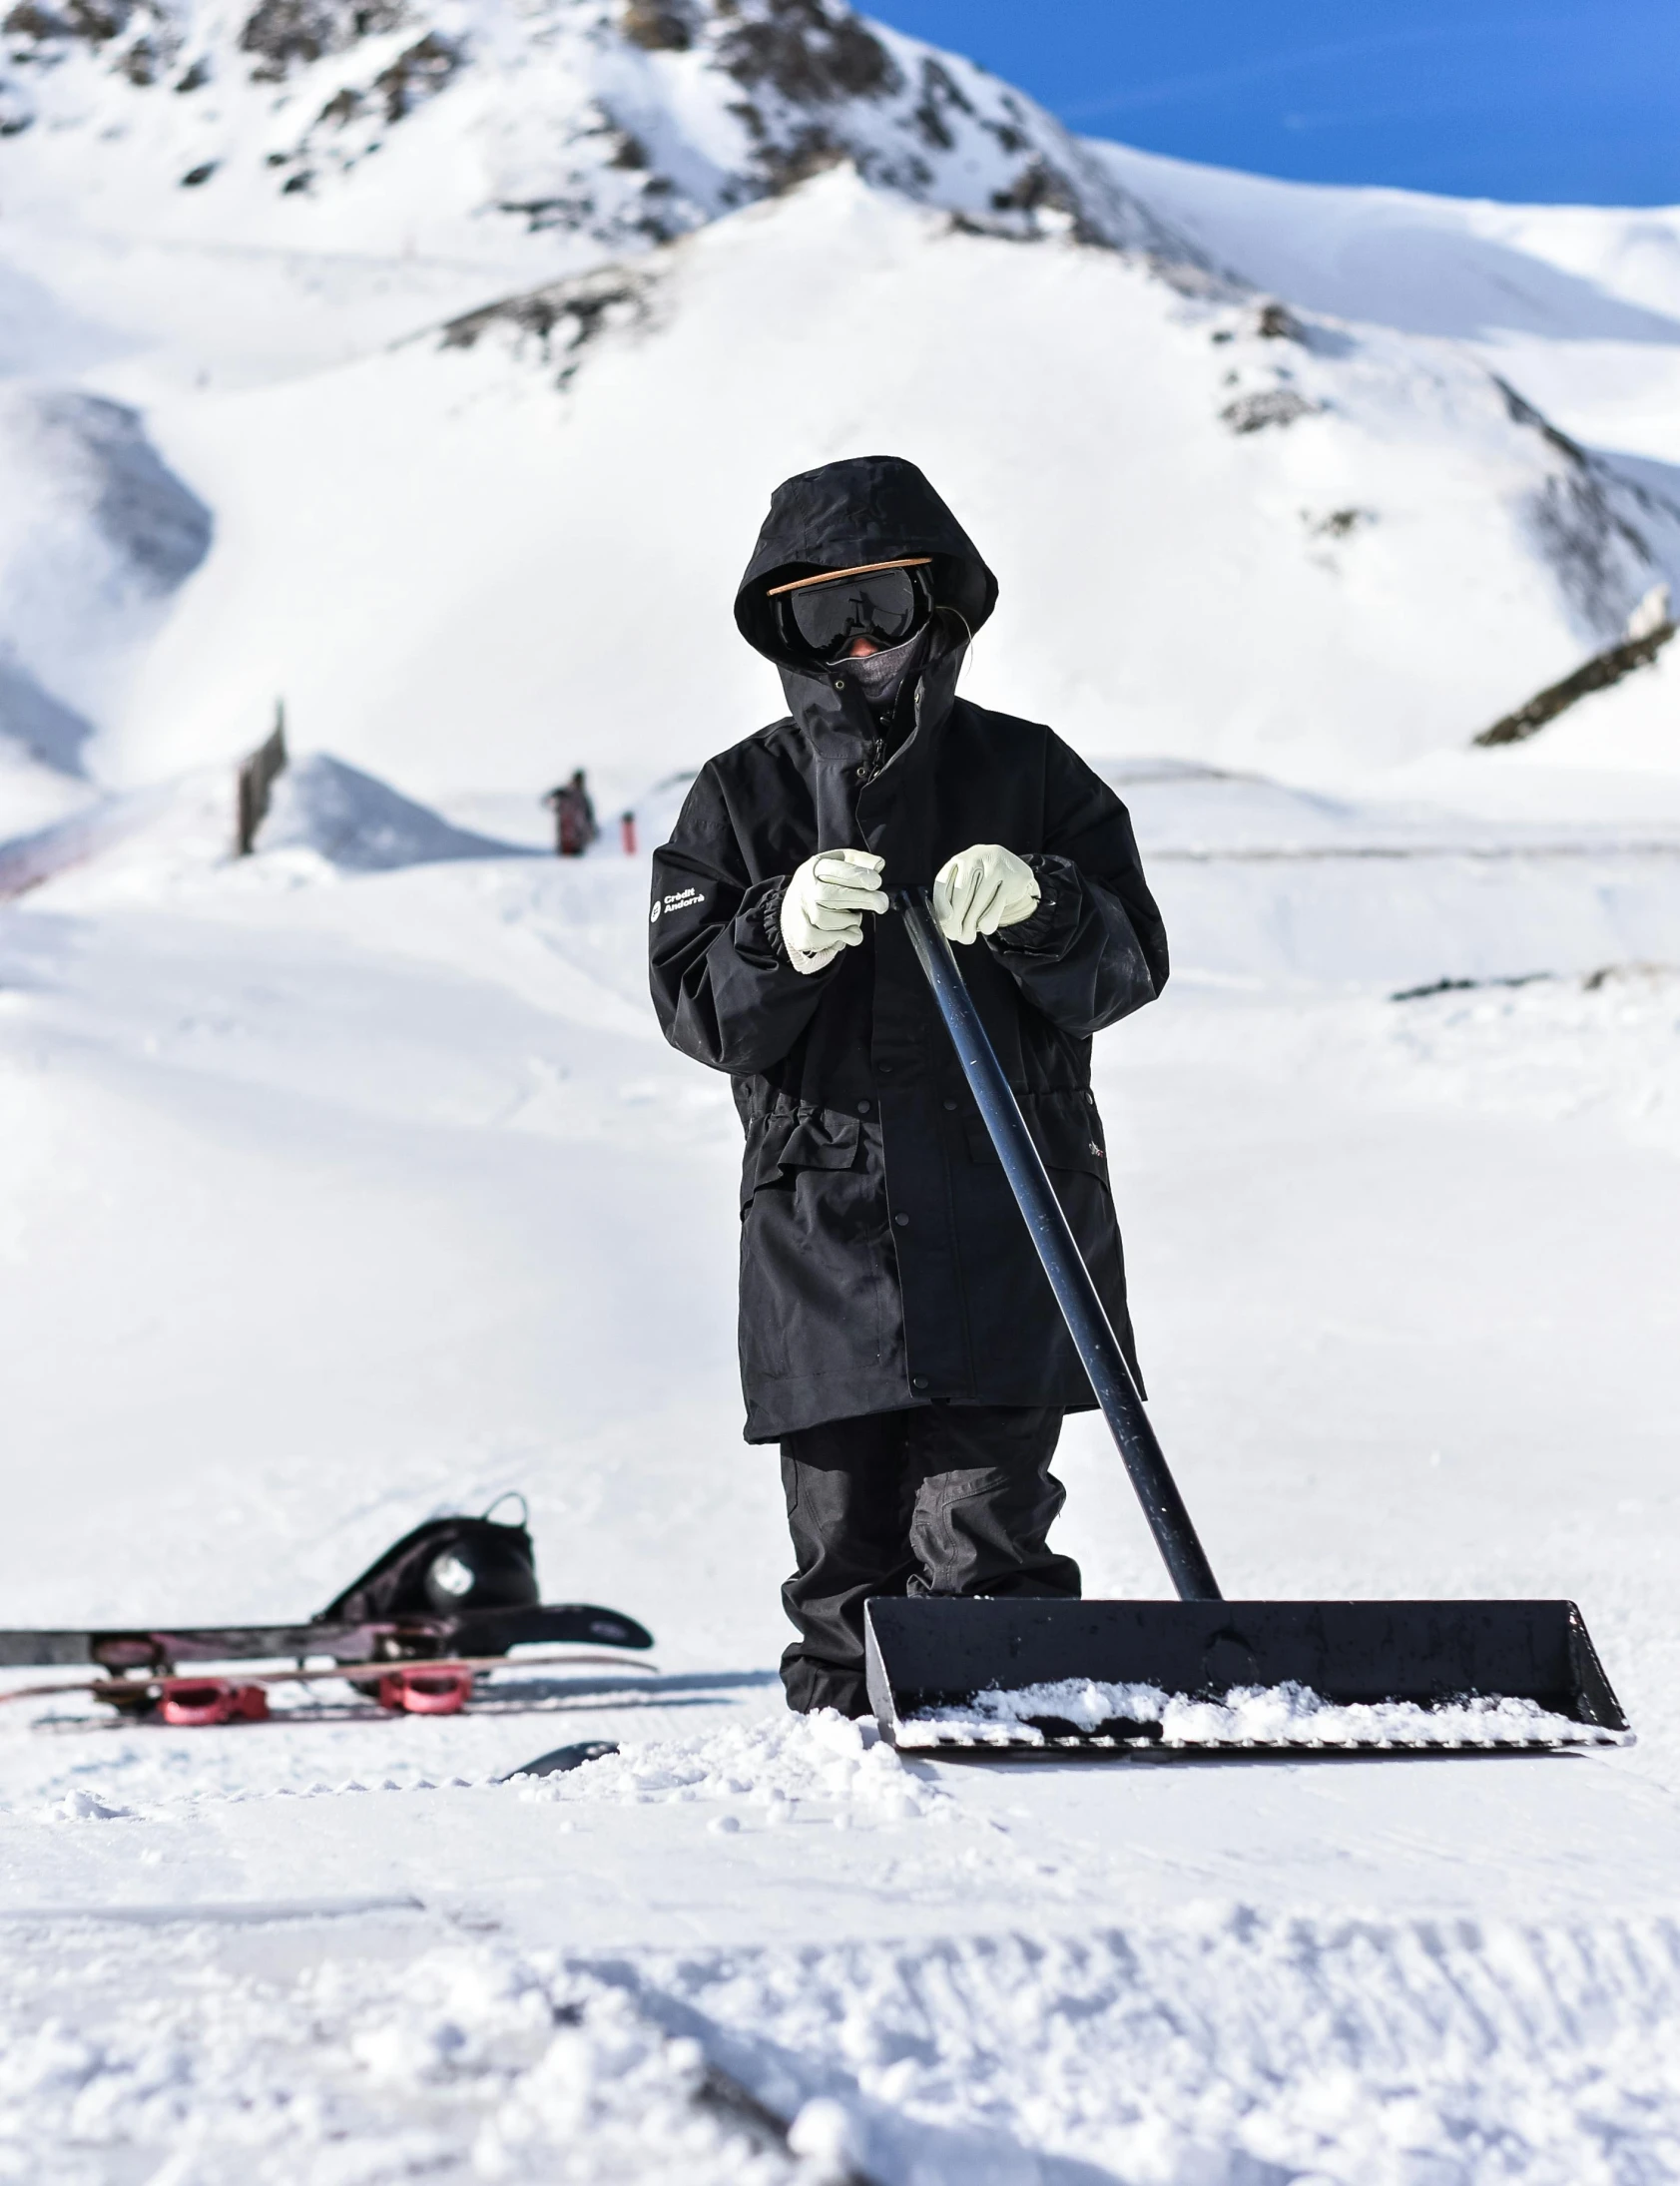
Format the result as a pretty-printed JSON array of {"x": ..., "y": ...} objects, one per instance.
[
  {"x": 474, "y": 139},
  {"x": 459, "y": 347}
]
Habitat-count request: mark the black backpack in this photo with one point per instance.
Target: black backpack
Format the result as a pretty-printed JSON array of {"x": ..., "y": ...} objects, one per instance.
[{"x": 444, "y": 1567}]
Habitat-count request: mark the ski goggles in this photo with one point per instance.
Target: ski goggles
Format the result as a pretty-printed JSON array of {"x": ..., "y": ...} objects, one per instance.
[{"x": 885, "y": 602}]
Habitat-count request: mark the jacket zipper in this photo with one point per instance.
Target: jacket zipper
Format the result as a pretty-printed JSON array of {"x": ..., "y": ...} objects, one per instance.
[{"x": 876, "y": 760}]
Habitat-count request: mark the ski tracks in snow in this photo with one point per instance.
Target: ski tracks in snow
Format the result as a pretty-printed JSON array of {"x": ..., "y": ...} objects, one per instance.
[
  {"x": 300, "y": 2052},
  {"x": 1231, "y": 2049},
  {"x": 1222, "y": 2048}
]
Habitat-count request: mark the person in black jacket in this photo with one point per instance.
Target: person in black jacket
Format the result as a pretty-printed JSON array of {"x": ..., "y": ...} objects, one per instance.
[{"x": 899, "y": 1337}]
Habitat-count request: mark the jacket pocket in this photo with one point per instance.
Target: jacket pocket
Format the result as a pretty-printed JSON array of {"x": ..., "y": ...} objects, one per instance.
[
  {"x": 1066, "y": 1128},
  {"x": 813, "y": 1248},
  {"x": 785, "y": 1139}
]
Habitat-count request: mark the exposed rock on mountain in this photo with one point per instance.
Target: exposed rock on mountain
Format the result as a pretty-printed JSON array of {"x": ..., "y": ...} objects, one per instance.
[
  {"x": 1649, "y": 627},
  {"x": 607, "y": 121},
  {"x": 561, "y": 320},
  {"x": 1592, "y": 525}
]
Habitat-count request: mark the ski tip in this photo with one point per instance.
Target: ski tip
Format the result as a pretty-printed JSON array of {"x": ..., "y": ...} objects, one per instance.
[{"x": 562, "y": 1759}]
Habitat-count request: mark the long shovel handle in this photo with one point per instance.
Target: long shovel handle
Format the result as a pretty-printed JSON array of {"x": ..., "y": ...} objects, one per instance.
[{"x": 1076, "y": 1293}]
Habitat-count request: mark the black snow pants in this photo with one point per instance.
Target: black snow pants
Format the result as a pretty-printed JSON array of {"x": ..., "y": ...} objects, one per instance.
[{"x": 938, "y": 1499}]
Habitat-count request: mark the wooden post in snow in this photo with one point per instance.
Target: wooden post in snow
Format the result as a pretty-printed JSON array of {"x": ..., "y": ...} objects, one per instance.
[{"x": 258, "y": 776}]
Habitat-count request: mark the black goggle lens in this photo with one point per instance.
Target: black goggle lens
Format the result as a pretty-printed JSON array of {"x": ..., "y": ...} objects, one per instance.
[{"x": 886, "y": 606}]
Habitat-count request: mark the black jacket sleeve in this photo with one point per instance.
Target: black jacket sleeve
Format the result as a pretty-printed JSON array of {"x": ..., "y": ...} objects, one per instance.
[
  {"x": 722, "y": 986},
  {"x": 1095, "y": 948}
]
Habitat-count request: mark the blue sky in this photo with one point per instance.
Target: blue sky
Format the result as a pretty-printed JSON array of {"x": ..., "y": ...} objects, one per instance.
[{"x": 1577, "y": 100}]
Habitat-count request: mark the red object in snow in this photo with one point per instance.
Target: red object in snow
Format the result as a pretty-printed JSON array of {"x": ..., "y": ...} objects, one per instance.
[
  {"x": 425, "y": 1692},
  {"x": 628, "y": 826},
  {"x": 193, "y": 1704}
]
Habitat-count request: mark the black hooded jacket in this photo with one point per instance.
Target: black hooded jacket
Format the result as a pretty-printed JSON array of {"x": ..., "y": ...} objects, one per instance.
[{"x": 884, "y": 1261}]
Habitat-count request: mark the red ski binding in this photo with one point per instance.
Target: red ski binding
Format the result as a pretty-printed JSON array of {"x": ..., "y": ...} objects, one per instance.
[
  {"x": 193, "y": 1704},
  {"x": 423, "y": 1692}
]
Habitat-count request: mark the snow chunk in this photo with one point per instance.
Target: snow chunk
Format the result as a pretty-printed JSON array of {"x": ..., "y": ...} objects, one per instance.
[
  {"x": 824, "y": 2136},
  {"x": 1249, "y": 1715},
  {"x": 79, "y": 1806},
  {"x": 771, "y": 1764},
  {"x": 1653, "y": 611}
]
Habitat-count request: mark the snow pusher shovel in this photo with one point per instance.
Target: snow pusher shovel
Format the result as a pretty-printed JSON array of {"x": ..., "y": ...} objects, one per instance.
[{"x": 1202, "y": 1674}]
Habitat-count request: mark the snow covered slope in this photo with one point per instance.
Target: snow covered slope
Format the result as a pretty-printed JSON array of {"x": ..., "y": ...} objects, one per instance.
[
  {"x": 95, "y": 535},
  {"x": 1579, "y": 305},
  {"x": 1219, "y": 529},
  {"x": 330, "y": 1197}
]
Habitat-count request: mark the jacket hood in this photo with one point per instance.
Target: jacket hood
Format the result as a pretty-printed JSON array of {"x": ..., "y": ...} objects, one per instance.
[{"x": 871, "y": 508}]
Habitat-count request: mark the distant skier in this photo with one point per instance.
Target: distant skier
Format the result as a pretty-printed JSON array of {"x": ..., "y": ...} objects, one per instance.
[
  {"x": 897, "y": 1334},
  {"x": 574, "y": 817}
]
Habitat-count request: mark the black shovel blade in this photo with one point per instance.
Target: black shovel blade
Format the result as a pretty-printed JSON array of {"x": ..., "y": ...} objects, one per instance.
[{"x": 1153, "y": 1678}]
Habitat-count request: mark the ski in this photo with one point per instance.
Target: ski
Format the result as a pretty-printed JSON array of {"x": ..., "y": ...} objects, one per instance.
[
  {"x": 415, "y": 1685},
  {"x": 415, "y": 1634},
  {"x": 437, "y": 1609}
]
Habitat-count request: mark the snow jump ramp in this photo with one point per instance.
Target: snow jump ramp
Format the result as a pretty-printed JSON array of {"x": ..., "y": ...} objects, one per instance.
[{"x": 1202, "y": 1675}]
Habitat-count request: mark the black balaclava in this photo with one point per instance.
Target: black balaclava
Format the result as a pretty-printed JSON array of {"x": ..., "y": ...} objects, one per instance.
[{"x": 881, "y": 676}]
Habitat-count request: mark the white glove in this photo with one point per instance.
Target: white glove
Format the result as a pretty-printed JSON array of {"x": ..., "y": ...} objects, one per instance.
[
  {"x": 823, "y": 909},
  {"x": 982, "y": 888}
]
